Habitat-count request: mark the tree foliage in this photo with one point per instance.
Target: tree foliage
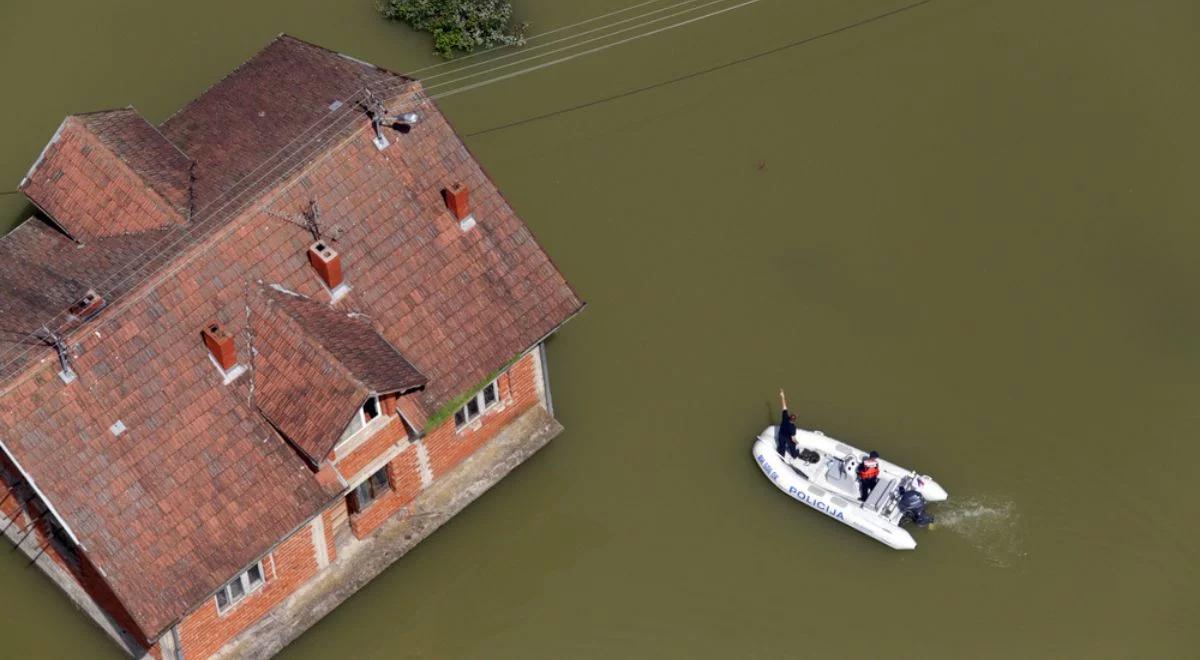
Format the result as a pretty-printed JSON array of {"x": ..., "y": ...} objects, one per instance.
[{"x": 458, "y": 25}]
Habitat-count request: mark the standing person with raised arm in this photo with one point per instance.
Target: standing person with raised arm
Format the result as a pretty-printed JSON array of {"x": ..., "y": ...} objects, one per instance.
[{"x": 785, "y": 434}]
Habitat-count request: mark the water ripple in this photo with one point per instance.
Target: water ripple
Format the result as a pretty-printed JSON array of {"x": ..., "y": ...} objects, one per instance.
[{"x": 991, "y": 525}]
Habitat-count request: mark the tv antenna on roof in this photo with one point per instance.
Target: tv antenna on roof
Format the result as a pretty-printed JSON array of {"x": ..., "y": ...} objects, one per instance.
[
  {"x": 312, "y": 217},
  {"x": 380, "y": 116},
  {"x": 53, "y": 340}
]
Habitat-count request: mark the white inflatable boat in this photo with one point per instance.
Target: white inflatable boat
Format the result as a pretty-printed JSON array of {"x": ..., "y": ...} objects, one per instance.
[{"x": 823, "y": 477}]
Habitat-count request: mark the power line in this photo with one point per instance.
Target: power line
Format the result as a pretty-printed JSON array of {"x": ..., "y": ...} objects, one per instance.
[
  {"x": 525, "y": 51},
  {"x": 600, "y": 38},
  {"x": 138, "y": 266},
  {"x": 349, "y": 106},
  {"x": 536, "y": 36},
  {"x": 703, "y": 72},
  {"x": 590, "y": 51},
  {"x": 109, "y": 285},
  {"x": 349, "y": 109}
]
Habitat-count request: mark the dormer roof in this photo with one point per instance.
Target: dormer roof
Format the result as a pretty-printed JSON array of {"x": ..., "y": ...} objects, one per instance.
[
  {"x": 110, "y": 173},
  {"x": 316, "y": 365}
]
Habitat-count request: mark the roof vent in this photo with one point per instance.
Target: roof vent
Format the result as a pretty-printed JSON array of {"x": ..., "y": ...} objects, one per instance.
[
  {"x": 87, "y": 307},
  {"x": 220, "y": 345},
  {"x": 327, "y": 262}
]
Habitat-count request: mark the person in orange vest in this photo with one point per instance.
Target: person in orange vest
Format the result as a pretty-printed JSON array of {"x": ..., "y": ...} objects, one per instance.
[{"x": 868, "y": 475}]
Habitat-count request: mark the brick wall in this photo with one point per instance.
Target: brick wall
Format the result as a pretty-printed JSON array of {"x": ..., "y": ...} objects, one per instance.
[
  {"x": 519, "y": 385},
  {"x": 404, "y": 476},
  {"x": 286, "y": 568},
  {"x": 445, "y": 447},
  {"x": 372, "y": 448},
  {"x": 294, "y": 562}
]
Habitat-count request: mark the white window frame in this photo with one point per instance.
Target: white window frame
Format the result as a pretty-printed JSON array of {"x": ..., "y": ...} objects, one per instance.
[
  {"x": 360, "y": 422},
  {"x": 244, "y": 582},
  {"x": 463, "y": 417}
]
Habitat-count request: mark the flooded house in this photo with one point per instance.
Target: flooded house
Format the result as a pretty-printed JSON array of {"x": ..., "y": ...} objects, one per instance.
[{"x": 255, "y": 353}]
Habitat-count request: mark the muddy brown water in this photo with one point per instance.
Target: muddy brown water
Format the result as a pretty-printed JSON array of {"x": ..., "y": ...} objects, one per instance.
[{"x": 964, "y": 236}]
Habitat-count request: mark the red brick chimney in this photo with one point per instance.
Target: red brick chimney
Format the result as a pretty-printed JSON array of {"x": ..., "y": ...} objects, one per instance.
[
  {"x": 457, "y": 200},
  {"x": 327, "y": 262},
  {"x": 220, "y": 344}
]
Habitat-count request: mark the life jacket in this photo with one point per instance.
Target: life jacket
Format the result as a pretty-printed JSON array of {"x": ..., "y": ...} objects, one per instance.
[{"x": 868, "y": 469}]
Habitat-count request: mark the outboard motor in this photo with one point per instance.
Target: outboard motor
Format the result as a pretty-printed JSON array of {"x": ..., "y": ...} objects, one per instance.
[{"x": 912, "y": 505}]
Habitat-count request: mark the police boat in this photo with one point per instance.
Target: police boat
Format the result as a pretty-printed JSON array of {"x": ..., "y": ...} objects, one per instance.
[{"x": 824, "y": 478}]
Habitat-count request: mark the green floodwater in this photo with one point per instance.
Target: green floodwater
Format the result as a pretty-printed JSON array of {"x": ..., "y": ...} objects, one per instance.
[{"x": 965, "y": 236}]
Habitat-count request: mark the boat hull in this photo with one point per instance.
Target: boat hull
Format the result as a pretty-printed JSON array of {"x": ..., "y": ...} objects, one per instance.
[{"x": 834, "y": 505}]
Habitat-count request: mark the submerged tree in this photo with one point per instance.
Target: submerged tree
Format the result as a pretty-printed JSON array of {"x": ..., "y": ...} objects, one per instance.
[{"x": 458, "y": 25}]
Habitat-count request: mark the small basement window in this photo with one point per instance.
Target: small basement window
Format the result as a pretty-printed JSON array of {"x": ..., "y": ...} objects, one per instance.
[
  {"x": 483, "y": 400},
  {"x": 368, "y": 491},
  {"x": 362, "y": 417},
  {"x": 239, "y": 587}
]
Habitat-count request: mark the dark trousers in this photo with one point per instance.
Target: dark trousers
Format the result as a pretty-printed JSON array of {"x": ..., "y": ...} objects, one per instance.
[
  {"x": 865, "y": 486},
  {"x": 786, "y": 445}
]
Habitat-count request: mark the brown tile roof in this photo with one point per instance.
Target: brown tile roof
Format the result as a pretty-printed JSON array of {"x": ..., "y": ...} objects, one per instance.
[
  {"x": 366, "y": 356},
  {"x": 197, "y": 485},
  {"x": 413, "y": 412},
  {"x": 200, "y": 484},
  {"x": 43, "y": 272},
  {"x": 94, "y": 176},
  {"x": 316, "y": 365},
  {"x": 137, "y": 142},
  {"x": 213, "y": 126},
  {"x": 262, "y": 106}
]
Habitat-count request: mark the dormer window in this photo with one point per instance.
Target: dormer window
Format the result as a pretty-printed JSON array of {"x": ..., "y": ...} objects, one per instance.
[{"x": 363, "y": 416}]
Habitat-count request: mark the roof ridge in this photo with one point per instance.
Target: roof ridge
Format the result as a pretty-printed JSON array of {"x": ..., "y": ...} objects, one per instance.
[
  {"x": 230, "y": 74},
  {"x": 282, "y": 36},
  {"x": 290, "y": 37},
  {"x": 102, "y": 111},
  {"x": 164, "y": 137}
]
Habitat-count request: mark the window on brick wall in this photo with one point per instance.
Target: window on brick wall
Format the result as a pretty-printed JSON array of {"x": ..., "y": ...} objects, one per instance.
[
  {"x": 476, "y": 405},
  {"x": 368, "y": 491},
  {"x": 239, "y": 587},
  {"x": 362, "y": 416}
]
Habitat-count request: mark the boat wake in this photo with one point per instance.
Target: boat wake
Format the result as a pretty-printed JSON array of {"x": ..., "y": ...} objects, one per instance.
[{"x": 990, "y": 525}]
